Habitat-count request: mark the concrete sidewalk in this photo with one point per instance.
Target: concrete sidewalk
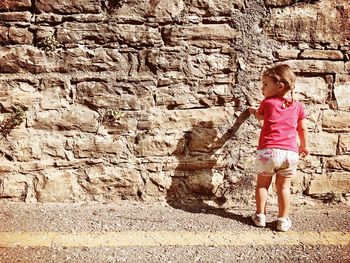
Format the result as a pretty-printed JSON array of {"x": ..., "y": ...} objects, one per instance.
[{"x": 158, "y": 232}]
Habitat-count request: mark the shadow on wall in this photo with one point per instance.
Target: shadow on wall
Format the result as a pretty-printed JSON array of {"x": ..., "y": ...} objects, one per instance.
[{"x": 194, "y": 181}]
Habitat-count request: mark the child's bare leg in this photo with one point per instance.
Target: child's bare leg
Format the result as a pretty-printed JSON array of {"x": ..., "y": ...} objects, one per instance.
[
  {"x": 261, "y": 193},
  {"x": 283, "y": 185}
]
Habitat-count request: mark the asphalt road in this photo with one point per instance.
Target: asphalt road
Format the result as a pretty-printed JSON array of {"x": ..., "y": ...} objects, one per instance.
[{"x": 159, "y": 232}]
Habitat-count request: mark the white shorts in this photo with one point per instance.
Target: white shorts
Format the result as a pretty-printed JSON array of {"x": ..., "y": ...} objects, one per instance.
[{"x": 272, "y": 161}]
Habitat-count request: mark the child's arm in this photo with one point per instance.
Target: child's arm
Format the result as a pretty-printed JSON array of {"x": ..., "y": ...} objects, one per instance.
[
  {"x": 303, "y": 136},
  {"x": 259, "y": 117}
]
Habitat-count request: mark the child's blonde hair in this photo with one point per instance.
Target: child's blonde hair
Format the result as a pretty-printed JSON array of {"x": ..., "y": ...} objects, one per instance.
[{"x": 284, "y": 74}]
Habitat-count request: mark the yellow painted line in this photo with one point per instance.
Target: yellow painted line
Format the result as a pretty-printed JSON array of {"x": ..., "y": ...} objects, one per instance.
[{"x": 169, "y": 238}]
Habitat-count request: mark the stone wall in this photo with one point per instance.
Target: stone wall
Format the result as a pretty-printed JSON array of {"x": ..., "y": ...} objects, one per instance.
[{"x": 113, "y": 99}]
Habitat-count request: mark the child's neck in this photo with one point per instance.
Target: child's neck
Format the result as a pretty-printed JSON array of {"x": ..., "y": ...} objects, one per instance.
[{"x": 283, "y": 95}]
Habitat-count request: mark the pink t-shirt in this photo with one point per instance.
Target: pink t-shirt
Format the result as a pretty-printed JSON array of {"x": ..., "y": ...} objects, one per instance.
[{"x": 280, "y": 124}]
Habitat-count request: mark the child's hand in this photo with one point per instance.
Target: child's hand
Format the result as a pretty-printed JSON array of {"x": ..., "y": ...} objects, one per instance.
[
  {"x": 303, "y": 151},
  {"x": 252, "y": 110}
]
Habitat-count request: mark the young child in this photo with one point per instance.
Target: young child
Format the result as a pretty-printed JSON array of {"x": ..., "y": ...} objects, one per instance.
[{"x": 278, "y": 151}]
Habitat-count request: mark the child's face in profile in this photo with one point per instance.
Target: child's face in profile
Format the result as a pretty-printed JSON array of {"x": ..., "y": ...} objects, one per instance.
[{"x": 269, "y": 87}]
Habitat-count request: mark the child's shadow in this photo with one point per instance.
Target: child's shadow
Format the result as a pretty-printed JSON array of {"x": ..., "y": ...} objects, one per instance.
[{"x": 194, "y": 182}]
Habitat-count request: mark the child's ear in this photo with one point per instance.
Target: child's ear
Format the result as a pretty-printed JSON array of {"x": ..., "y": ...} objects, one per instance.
[{"x": 280, "y": 85}]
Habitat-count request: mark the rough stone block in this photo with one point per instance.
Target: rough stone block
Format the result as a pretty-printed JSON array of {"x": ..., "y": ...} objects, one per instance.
[
  {"x": 88, "y": 146},
  {"x": 82, "y": 146},
  {"x": 18, "y": 59},
  {"x": 131, "y": 35},
  {"x": 215, "y": 7},
  {"x": 16, "y": 17},
  {"x": 309, "y": 164},
  {"x": 316, "y": 66},
  {"x": 123, "y": 96},
  {"x": 323, "y": 22},
  {"x": 196, "y": 183},
  {"x": 18, "y": 93},
  {"x": 201, "y": 96},
  {"x": 35, "y": 166},
  {"x": 336, "y": 121},
  {"x": 20, "y": 36},
  {"x": 322, "y": 54},
  {"x": 201, "y": 65},
  {"x": 279, "y": 3},
  {"x": 68, "y": 6},
  {"x": 154, "y": 145},
  {"x": 168, "y": 59},
  {"x": 52, "y": 144},
  {"x": 347, "y": 67},
  {"x": 336, "y": 182},
  {"x": 191, "y": 120},
  {"x": 323, "y": 143},
  {"x": 124, "y": 125},
  {"x": 158, "y": 183},
  {"x": 195, "y": 163},
  {"x": 4, "y": 38},
  {"x": 314, "y": 117},
  {"x": 73, "y": 118},
  {"x": 101, "y": 182},
  {"x": 194, "y": 66},
  {"x": 298, "y": 182},
  {"x": 7, "y": 5},
  {"x": 342, "y": 91},
  {"x": 311, "y": 89},
  {"x": 59, "y": 186},
  {"x": 48, "y": 18},
  {"x": 341, "y": 162},
  {"x": 284, "y": 54},
  {"x": 7, "y": 166},
  {"x": 139, "y": 10},
  {"x": 55, "y": 93},
  {"x": 24, "y": 145},
  {"x": 98, "y": 60},
  {"x": 344, "y": 144},
  {"x": 203, "y": 140},
  {"x": 15, "y": 186},
  {"x": 208, "y": 36}
]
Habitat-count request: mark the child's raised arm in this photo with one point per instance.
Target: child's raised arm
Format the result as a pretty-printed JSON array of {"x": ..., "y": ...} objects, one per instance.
[{"x": 259, "y": 117}]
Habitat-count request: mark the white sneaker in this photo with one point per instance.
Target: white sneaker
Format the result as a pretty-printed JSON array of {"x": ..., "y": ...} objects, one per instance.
[
  {"x": 259, "y": 219},
  {"x": 283, "y": 224}
]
